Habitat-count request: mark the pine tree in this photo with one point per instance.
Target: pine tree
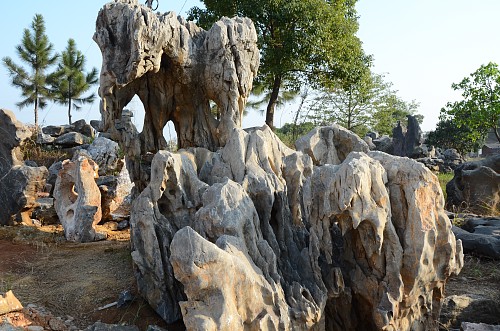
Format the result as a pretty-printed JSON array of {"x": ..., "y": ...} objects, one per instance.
[
  {"x": 36, "y": 51},
  {"x": 70, "y": 82}
]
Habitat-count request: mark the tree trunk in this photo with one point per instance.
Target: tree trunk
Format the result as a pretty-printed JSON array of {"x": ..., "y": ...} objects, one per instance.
[
  {"x": 69, "y": 101},
  {"x": 69, "y": 112},
  {"x": 273, "y": 100},
  {"x": 495, "y": 130},
  {"x": 36, "y": 114}
]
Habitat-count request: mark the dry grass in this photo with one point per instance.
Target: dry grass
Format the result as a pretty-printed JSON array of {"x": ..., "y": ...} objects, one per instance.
[{"x": 42, "y": 155}]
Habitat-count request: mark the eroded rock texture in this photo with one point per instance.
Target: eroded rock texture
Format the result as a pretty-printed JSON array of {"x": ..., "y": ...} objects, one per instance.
[
  {"x": 257, "y": 236},
  {"x": 78, "y": 200},
  {"x": 175, "y": 68},
  {"x": 19, "y": 183},
  {"x": 237, "y": 231},
  {"x": 476, "y": 186}
]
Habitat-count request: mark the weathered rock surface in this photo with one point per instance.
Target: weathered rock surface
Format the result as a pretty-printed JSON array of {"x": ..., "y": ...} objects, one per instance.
[
  {"x": 478, "y": 243},
  {"x": 469, "y": 308},
  {"x": 476, "y": 186},
  {"x": 478, "y": 327},
  {"x": 116, "y": 195},
  {"x": 78, "y": 200},
  {"x": 9, "y": 303},
  {"x": 71, "y": 139},
  {"x": 237, "y": 231},
  {"x": 99, "y": 326},
  {"x": 19, "y": 183},
  {"x": 45, "y": 211},
  {"x": 360, "y": 243},
  {"x": 175, "y": 68},
  {"x": 105, "y": 153}
]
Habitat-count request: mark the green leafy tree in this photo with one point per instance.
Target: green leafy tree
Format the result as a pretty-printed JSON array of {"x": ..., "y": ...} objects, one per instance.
[
  {"x": 479, "y": 110},
  {"x": 36, "y": 51},
  {"x": 449, "y": 135},
  {"x": 70, "y": 82},
  {"x": 367, "y": 104},
  {"x": 301, "y": 41},
  {"x": 351, "y": 105}
]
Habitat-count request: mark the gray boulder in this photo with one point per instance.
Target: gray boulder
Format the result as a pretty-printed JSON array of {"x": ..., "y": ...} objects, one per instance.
[
  {"x": 481, "y": 244},
  {"x": 466, "y": 326},
  {"x": 19, "y": 183},
  {"x": 71, "y": 139},
  {"x": 45, "y": 211},
  {"x": 457, "y": 309},
  {"x": 83, "y": 128},
  {"x": 476, "y": 186},
  {"x": 105, "y": 153},
  {"x": 55, "y": 130},
  {"x": 99, "y": 326}
]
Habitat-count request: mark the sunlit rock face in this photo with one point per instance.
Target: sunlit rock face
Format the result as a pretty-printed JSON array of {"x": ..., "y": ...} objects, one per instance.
[
  {"x": 77, "y": 199},
  {"x": 176, "y": 69},
  {"x": 257, "y": 236},
  {"x": 236, "y": 231}
]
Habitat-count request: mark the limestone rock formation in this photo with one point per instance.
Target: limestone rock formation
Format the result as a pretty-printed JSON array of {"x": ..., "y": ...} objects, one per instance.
[
  {"x": 105, "y": 153},
  {"x": 476, "y": 186},
  {"x": 116, "y": 195},
  {"x": 237, "y": 231},
  {"x": 360, "y": 241},
  {"x": 175, "y": 68},
  {"x": 19, "y": 183},
  {"x": 78, "y": 200}
]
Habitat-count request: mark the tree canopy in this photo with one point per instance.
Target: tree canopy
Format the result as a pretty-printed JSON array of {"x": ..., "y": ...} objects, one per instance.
[
  {"x": 449, "y": 135},
  {"x": 70, "y": 82},
  {"x": 301, "y": 41},
  {"x": 36, "y": 51},
  {"x": 479, "y": 110},
  {"x": 367, "y": 104}
]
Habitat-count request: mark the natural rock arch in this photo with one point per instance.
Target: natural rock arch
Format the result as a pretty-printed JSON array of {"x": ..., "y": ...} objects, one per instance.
[{"x": 175, "y": 68}]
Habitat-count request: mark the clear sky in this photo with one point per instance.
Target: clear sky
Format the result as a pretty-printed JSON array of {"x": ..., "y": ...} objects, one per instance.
[{"x": 422, "y": 46}]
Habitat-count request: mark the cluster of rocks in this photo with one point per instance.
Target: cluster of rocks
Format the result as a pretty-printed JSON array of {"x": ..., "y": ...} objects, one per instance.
[
  {"x": 92, "y": 187},
  {"x": 66, "y": 136},
  {"x": 471, "y": 310},
  {"x": 480, "y": 235},
  {"x": 237, "y": 231},
  {"x": 409, "y": 142}
]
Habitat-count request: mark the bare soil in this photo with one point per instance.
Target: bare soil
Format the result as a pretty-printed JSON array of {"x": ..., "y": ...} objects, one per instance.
[
  {"x": 72, "y": 280},
  {"x": 75, "y": 280}
]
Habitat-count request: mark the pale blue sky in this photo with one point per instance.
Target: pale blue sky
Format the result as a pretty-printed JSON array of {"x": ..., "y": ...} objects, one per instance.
[{"x": 422, "y": 45}]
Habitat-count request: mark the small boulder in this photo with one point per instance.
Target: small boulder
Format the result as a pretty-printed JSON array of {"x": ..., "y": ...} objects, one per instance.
[
  {"x": 105, "y": 153},
  {"x": 72, "y": 139},
  {"x": 82, "y": 127},
  {"x": 55, "y": 130},
  {"x": 457, "y": 309},
  {"x": 45, "y": 211},
  {"x": 9, "y": 303}
]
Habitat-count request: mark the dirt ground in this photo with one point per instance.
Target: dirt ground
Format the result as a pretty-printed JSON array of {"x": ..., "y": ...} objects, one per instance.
[{"x": 74, "y": 280}]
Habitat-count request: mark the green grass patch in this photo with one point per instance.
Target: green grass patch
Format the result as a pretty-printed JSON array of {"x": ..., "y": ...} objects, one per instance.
[{"x": 444, "y": 178}]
